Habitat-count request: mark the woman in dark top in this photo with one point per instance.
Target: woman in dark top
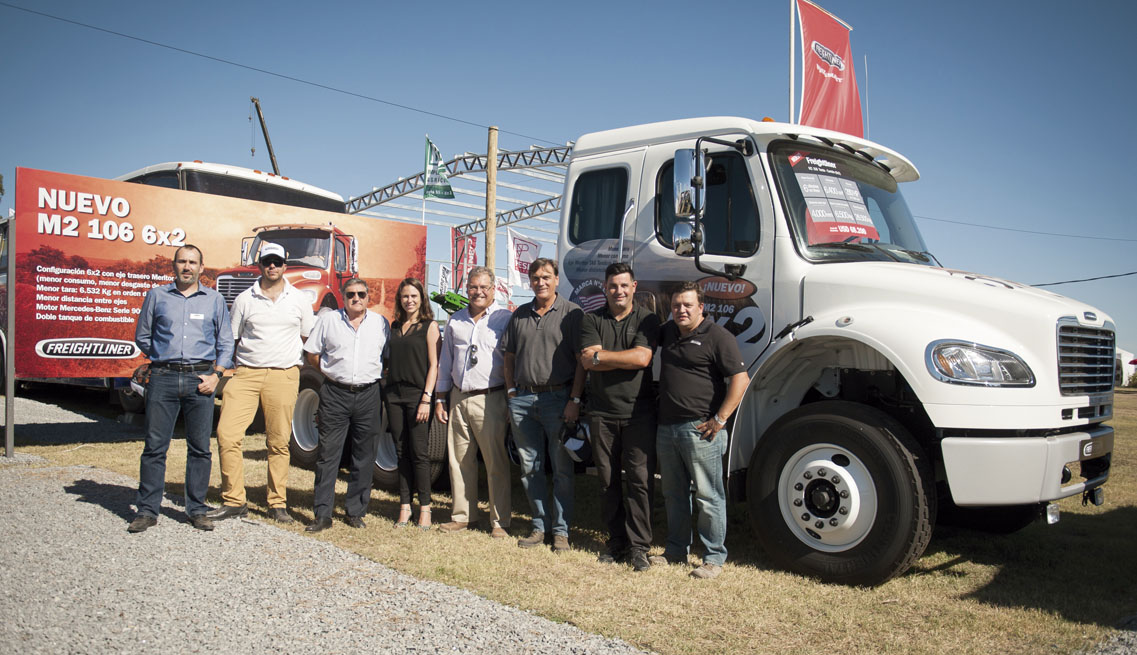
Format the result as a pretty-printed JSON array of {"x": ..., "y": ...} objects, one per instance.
[{"x": 411, "y": 374}]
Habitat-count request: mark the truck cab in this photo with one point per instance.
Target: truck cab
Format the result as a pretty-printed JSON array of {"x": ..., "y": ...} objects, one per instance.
[{"x": 884, "y": 386}]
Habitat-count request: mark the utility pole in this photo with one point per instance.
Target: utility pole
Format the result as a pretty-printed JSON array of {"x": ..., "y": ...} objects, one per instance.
[
  {"x": 264, "y": 128},
  {"x": 491, "y": 198}
]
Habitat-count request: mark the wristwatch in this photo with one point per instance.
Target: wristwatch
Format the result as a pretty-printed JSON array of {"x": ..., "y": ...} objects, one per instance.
[
  {"x": 596, "y": 358},
  {"x": 576, "y": 399}
]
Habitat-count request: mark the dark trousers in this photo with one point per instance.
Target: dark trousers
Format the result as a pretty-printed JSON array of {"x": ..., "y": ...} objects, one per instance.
[
  {"x": 168, "y": 394},
  {"x": 627, "y": 444},
  {"x": 412, "y": 444},
  {"x": 343, "y": 413}
]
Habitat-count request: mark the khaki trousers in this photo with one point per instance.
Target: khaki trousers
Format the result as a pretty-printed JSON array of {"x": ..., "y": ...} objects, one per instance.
[
  {"x": 275, "y": 390},
  {"x": 478, "y": 422}
]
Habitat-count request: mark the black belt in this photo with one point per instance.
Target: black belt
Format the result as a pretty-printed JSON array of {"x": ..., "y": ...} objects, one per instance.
[
  {"x": 184, "y": 368},
  {"x": 482, "y": 392},
  {"x": 351, "y": 388},
  {"x": 542, "y": 388}
]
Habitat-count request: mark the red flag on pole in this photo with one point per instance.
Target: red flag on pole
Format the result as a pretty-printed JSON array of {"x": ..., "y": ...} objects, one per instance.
[{"x": 829, "y": 95}]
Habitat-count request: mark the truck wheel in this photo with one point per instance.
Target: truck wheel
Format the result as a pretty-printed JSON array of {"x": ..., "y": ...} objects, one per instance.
[
  {"x": 130, "y": 401},
  {"x": 841, "y": 492},
  {"x": 305, "y": 430},
  {"x": 994, "y": 520},
  {"x": 386, "y": 470},
  {"x": 436, "y": 450}
]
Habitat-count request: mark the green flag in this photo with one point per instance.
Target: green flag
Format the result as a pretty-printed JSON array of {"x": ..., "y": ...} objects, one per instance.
[{"x": 436, "y": 184}]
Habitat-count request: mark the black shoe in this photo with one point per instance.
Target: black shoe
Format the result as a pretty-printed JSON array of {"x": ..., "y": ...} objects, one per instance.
[
  {"x": 639, "y": 560},
  {"x": 355, "y": 522},
  {"x": 280, "y": 515},
  {"x": 201, "y": 522},
  {"x": 227, "y": 512},
  {"x": 609, "y": 557},
  {"x": 141, "y": 523},
  {"x": 319, "y": 524}
]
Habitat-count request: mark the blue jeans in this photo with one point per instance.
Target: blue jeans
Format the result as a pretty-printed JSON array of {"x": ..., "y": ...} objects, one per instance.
[
  {"x": 168, "y": 393},
  {"x": 685, "y": 456},
  {"x": 537, "y": 420}
]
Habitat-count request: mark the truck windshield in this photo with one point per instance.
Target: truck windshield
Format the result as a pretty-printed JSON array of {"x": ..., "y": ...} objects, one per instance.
[
  {"x": 302, "y": 247},
  {"x": 238, "y": 187},
  {"x": 843, "y": 208}
]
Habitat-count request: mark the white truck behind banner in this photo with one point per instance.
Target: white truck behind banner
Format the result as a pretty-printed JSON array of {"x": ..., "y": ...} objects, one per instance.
[{"x": 885, "y": 388}]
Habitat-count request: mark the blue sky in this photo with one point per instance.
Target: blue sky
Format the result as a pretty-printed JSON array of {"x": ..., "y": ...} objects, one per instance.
[{"x": 1018, "y": 114}]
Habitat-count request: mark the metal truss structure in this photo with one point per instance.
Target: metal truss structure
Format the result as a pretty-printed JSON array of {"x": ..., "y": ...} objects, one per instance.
[{"x": 529, "y": 186}]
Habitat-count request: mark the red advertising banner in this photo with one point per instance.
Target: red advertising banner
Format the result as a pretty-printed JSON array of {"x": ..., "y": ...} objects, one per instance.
[
  {"x": 89, "y": 249},
  {"x": 464, "y": 255},
  {"x": 829, "y": 95}
]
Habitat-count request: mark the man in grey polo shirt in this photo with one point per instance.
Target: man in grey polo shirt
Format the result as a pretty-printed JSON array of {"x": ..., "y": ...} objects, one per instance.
[{"x": 544, "y": 381}]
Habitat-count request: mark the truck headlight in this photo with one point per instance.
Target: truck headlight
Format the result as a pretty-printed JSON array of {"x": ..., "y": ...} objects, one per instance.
[{"x": 960, "y": 362}]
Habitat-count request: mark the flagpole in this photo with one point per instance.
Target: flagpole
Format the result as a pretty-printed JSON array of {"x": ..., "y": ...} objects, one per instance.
[
  {"x": 791, "y": 118},
  {"x": 867, "y": 96},
  {"x": 424, "y": 174}
]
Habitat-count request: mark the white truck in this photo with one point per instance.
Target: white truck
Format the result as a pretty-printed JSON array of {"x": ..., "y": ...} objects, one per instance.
[{"x": 885, "y": 388}]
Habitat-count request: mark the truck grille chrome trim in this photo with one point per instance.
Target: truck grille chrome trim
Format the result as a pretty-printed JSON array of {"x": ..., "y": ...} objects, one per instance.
[
  {"x": 231, "y": 287},
  {"x": 1085, "y": 359}
]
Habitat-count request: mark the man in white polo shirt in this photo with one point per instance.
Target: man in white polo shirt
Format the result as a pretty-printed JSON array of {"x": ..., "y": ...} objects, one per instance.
[{"x": 270, "y": 321}]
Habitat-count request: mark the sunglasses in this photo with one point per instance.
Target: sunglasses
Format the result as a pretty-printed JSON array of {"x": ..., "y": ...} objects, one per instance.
[
  {"x": 354, "y": 294},
  {"x": 269, "y": 262},
  {"x": 472, "y": 356}
]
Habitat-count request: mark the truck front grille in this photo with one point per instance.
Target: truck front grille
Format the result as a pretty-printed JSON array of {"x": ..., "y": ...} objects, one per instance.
[
  {"x": 231, "y": 287},
  {"x": 1085, "y": 360}
]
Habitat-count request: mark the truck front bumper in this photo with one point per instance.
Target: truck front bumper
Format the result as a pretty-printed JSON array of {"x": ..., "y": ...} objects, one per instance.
[{"x": 1021, "y": 470}]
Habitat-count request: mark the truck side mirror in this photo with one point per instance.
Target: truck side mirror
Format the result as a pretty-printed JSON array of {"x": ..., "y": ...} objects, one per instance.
[
  {"x": 354, "y": 263},
  {"x": 683, "y": 237},
  {"x": 690, "y": 170},
  {"x": 245, "y": 250}
]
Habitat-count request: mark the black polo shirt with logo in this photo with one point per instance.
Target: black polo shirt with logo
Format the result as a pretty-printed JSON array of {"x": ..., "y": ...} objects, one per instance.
[
  {"x": 620, "y": 393},
  {"x": 694, "y": 371}
]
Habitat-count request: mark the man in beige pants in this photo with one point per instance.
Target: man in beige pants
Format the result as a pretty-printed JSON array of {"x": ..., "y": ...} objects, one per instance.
[
  {"x": 270, "y": 321},
  {"x": 470, "y": 399}
]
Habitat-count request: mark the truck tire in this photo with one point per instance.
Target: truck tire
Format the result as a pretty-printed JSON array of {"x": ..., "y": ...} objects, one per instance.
[
  {"x": 858, "y": 473},
  {"x": 305, "y": 430},
  {"x": 386, "y": 470},
  {"x": 436, "y": 449},
  {"x": 1004, "y": 519},
  {"x": 130, "y": 401}
]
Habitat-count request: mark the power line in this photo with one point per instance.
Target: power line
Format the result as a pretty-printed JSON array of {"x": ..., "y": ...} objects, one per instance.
[
  {"x": 1089, "y": 279},
  {"x": 1011, "y": 229},
  {"x": 272, "y": 73}
]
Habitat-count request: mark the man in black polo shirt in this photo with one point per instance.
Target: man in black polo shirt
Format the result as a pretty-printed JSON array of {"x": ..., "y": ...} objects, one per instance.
[
  {"x": 702, "y": 379},
  {"x": 616, "y": 345}
]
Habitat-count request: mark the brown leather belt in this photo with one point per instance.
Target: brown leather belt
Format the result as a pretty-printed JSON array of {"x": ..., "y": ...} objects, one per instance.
[
  {"x": 542, "y": 388},
  {"x": 351, "y": 388},
  {"x": 482, "y": 392}
]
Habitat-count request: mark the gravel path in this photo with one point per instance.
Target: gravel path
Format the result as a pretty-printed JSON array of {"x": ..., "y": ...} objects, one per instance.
[{"x": 73, "y": 580}]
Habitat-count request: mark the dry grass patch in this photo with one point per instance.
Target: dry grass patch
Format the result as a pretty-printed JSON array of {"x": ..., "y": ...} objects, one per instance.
[{"x": 1047, "y": 588}]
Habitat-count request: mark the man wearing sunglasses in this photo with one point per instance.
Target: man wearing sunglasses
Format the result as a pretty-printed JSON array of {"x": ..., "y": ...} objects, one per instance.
[
  {"x": 270, "y": 321},
  {"x": 471, "y": 382},
  {"x": 349, "y": 346}
]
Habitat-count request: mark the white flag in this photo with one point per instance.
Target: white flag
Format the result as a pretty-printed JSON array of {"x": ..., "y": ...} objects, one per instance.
[
  {"x": 522, "y": 252},
  {"x": 435, "y": 184},
  {"x": 445, "y": 273}
]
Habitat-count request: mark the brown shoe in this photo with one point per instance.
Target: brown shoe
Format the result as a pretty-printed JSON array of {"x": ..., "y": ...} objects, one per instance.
[
  {"x": 707, "y": 572},
  {"x": 499, "y": 533},
  {"x": 535, "y": 539},
  {"x": 560, "y": 543},
  {"x": 453, "y": 526}
]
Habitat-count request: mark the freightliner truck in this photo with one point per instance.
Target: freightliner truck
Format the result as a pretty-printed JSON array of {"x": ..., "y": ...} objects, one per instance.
[{"x": 885, "y": 388}]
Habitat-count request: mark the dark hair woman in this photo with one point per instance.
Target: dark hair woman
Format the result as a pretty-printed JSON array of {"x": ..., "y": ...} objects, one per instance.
[{"x": 411, "y": 374}]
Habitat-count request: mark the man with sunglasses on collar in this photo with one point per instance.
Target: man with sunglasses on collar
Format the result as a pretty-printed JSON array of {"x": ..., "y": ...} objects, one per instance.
[
  {"x": 270, "y": 321},
  {"x": 349, "y": 346},
  {"x": 470, "y": 399}
]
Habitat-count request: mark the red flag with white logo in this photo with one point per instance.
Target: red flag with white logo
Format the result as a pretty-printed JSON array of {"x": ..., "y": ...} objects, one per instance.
[{"x": 829, "y": 95}]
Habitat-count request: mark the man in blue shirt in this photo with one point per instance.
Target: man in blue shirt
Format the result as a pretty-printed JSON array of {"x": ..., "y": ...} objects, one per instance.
[{"x": 183, "y": 328}]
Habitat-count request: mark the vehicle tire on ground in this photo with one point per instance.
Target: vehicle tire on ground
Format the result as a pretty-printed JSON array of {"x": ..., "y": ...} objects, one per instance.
[
  {"x": 841, "y": 492},
  {"x": 1003, "y": 519},
  {"x": 437, "y": 452},
  {"x": 130, "y": 401},
  {"x": 305, "y": 430},
  {"x": 386, "y": 470}
]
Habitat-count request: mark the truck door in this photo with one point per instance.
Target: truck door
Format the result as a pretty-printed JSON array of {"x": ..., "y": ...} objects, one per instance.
[
  {"x": 738, "y": 228},
  {"x": 599, "y": 192}
]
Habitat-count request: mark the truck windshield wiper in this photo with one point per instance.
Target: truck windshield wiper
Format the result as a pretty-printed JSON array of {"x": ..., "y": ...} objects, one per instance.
[{"x": 859, "y": 247}]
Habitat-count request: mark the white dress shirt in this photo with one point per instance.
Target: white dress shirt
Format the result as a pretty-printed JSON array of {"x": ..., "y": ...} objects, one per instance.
[
  {"x": 348, "y": 355},
  {"x": 471, "y": 359},
  {"x": 268, "y": 332}
]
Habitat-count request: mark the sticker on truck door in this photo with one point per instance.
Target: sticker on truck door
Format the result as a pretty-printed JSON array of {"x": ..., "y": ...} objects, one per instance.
[{"x": 835, "y": 209}]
